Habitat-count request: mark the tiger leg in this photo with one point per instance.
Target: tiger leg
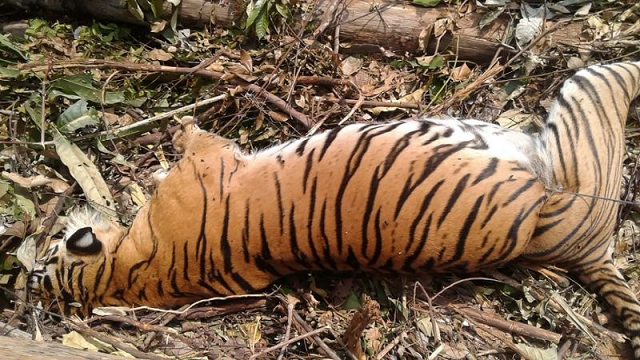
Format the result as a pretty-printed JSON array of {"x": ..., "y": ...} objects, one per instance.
[{"x": 607, "y": 281}]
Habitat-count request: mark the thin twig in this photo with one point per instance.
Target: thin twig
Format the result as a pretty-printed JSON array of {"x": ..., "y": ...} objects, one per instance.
[
  {"x": 506, "y": 325},
  {"x": 316, "y": 340},
  {"x": 389, "y": 347},
  {"x": 287, "y": 333},
  {"x": 290, "y": 341},
  {"x": 135, "y": 323},
  {"x": 85, "y": 330},
  {"x": 167, "y": 115},
  {"x": 368, "y": 103}
]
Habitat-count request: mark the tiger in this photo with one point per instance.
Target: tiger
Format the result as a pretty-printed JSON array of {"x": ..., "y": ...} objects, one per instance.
[{"x": 412, "y": 196}]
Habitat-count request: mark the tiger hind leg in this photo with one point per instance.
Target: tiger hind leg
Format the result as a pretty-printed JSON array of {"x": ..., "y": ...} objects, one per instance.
[{"x": 607, "y": 281}]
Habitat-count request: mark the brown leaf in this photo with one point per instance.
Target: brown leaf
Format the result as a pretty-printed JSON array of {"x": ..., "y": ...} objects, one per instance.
[
  {"x": 373, "y": 337},
  {"x": 278, "y": 116},
  {"x": 57, "y": 185},
  {"x": 460, "y": 73},
  {"x": 245, "y": 59},
  {"x": 351, "y": 65},
  {"x": 160, "y": 55}
]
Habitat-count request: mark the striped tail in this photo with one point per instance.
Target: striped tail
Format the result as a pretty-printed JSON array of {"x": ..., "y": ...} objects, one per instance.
[{"x": 584, "y": 136}]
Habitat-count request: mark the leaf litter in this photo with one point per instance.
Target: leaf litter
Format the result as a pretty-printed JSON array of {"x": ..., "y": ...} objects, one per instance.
[{"x": 97, "y": 136}]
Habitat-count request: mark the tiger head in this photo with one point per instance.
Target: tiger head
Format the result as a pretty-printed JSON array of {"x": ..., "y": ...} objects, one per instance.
[{"x": 74, "y": 269}]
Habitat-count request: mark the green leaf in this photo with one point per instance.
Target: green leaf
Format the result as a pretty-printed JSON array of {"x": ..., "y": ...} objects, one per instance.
[
  {"x": 33, "y": 107},
  {"x": 352, "y": 301},
  {"x": 489, "y": 17},
  {"x": 156, "y": 8},
  {"x": 6, "y": 44},
  {"x": 253, "y": 11},
  {"x": 135, "y": 10},
  {"x": 283, "y": 10},
  {"x": 8, "y": 73},
  {"x": 262, "y": 25},
  {"x": 4, "y": 188},
  {"x": 436, "y": 62},
  {"x": 23, "y": 202},
  {"x": 426, "y": 3},
  {"x": 77, "y": 116},
  {"x": 81, "y": 87}
]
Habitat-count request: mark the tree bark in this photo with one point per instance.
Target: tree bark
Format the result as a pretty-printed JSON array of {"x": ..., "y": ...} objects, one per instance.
[
  {"x": 25, "y": 349},
  {"x": 366, "y": 24}
]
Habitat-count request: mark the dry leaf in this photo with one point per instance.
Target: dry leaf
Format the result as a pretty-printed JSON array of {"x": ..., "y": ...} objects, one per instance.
[
  {"x": 351, "y": 65},
  {"x": 216, "y": 67},
  {"x": 110, "y": 310},
  {"x": 373, "y": 337},
  {"x": 75, "y": 340},
  {"x": 160, "y": 55},
  {"x": 278, "y": 116},
  {"x": 26, "y": 253},
  {"x": 252, "y": 330},
  {"x": 514, "y": 119},
  {"x": 137, "y": 195},
  {"x": 57, "y": 185},
  {"x": 414, "y": 98},
  {"x": 538, "y": 354},
  {"x": 86, "y": 174},
  {"x": 575, "y": 63},
  {"x": 460, "y": 73},
  {"x": 245, "y": 59}
]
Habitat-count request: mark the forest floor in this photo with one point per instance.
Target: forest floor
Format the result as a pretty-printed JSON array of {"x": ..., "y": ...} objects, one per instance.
[{"x": 100, "y": 94}]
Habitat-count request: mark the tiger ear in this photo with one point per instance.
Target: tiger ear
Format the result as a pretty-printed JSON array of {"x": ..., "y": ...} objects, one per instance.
[{"x": 83, "y": 242}]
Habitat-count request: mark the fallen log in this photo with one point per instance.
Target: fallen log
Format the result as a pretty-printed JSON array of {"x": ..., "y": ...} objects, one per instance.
[{"x": 367, "y": 25}]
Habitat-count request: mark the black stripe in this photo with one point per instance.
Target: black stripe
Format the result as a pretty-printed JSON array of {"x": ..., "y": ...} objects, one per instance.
[
  {"x": 368, "y": 209},
  {"x": 245, "y": 231},
  {"x": 300, "y": 257},
  {"x": 310, "y": 227},
  {"x": 307, "y": 170},
  {"x": 489, "y": 216},
  {"x": 244, "y": 284},
  {"x": 201, "y": 243},
  {"x": 185, "y": 260},
  {"x": 225, "y": 247},
  {"x": 430, "y": 166},
  {"x": 559, "y": 211},
  {"x": 378, "y": 232},
  {"x": 559, "y": 151},
  {"x": 331, "y": 136},
  {"x": 464, "y": 232},
  {"x": 328, "y": 256},
  {"x": 453, "y": 199},
  {"x": 279, "y": 199},
  {"x": 397, "y": 148},
  {"x": 487, "y": 171},
  {"x": 418, "y": 250},
  {"x": 520, "y": 191},
  {"x": 426, "y": 201},
  {"x": 301, "y": 146},
  {"x": 221, "y": 176}
]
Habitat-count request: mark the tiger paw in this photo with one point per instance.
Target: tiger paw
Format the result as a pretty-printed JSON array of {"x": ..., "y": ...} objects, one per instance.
[{"x": 183, "y": 136}]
